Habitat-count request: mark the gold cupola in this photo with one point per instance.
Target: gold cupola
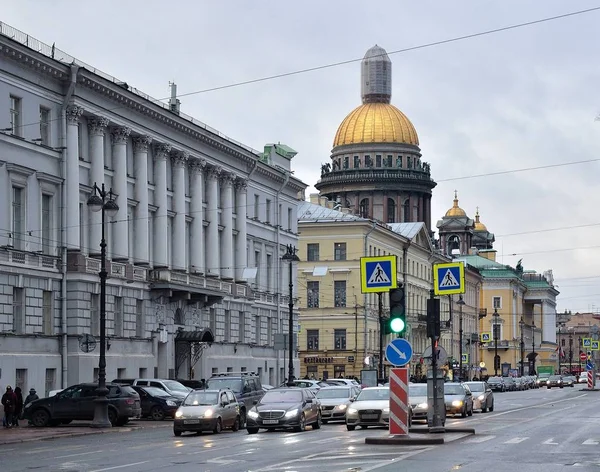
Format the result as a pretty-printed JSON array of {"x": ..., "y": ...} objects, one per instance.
[
  {"x": 479, "y": 226},
  {"x": 456, "y": 210}
]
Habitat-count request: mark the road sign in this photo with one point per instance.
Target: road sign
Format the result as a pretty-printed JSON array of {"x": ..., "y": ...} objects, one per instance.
[
  {"x": 378, "y": 274},
  {"x": 398, "y": 352},
  {"x": 486, "y": 337},
  {"x": 583, "y": 357},
  {"x": 399, "y": 401},
  {"x": 449, "y": 278},
  {"x": 465, "y": 358},
  {"x": 589, "y": 365},
  {"x": 442, "y": 355},
  {"x": 595, "y": 345},
  {"x": 587, "y": 342}
]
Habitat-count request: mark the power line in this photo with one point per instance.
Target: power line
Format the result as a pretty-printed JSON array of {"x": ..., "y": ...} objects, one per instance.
[{"x": 561, "y": 228}]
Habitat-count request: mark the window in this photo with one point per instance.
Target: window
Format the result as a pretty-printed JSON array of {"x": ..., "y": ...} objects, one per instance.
[
  {"x": 212, "y": 315},
  {"x": 227, "y": 335},
  {"x": 312, "y": 339},
  {"x": 497, "y": 331},
  {"x": 268, "y": 211},
  {"x": 497, "y": 302},
  {"x": 339, "y": 339},
  {"x": 339, "y": 371},
  {"x": 18, "y": 310},
  {"x": 270, "y": 323},
  {"x": 118, "y": 313},
  {"x": 391, "y": 211},
  {"x": 15, "y": 115},
  {"x": 178, "y": 318},
  {"x": 18, "y": 217},
  {"x": 257, "y": 329},
  {"x": 50, "y": 381},
  {"x": 21, "y": 379},
  {"x": 406, "y": 210},
  {"x": 389, "y": 160},
  {"x": 312, "y": 252},
  {"x": 140, "y": 325},
  {"x": 242, "y": 327},
  {"x": 363, "y": 208},
  {"x": 47, "y": 318},
  {"x": 356, "y": 162},
  {"x": 340, "y": 293},
  {"x": 378, "y": 160},
  {"x": 453, "y": 244},
  {"x": 339, "y": 251},
  {"x": 269, "y": 272},
  {"x": 290, "y": 219},
  {"x": 95, "y": 314},
  {"x": 45, "y": 126},
  {"x": 312, "y": 297},
  {"x": 47, "y": 224},
  {"x": 256, "y": 206}
]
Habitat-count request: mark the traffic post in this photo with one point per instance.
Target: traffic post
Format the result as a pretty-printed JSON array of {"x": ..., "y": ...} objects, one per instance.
[{"x": 399, "y": 401}]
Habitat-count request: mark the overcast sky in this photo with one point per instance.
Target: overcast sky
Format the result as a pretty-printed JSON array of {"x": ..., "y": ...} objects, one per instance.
[{"x": 517, "y": 99}]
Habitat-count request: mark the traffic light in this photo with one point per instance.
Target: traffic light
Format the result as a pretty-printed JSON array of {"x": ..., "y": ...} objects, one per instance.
[
  {"x": 396, "y": 324},
  {"x": 433, "y": 318}
]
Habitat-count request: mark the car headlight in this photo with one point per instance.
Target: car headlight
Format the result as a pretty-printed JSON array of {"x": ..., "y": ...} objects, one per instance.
[
  {"x": 290, "y": 413},
  {"x": 351, "y": 411},
  {"x": 423, "y": 405},
  {"x": 179, "y": 414},
  {"x": 457, "y": 403},
  {"x": 253, "y": 414},
  {"x": 481, "y": 397},
  {"x": 171, "y": 403},
  {"x": 342, "y": 407},
  {"x": 208, "y": 413},
  {"x": 386, "y": 410}
]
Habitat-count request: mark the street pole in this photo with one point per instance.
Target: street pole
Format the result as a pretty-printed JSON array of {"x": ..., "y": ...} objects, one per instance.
[
  {"x": 381, "y": 336},
  {"x": 460, "y": 302},
  {"x": 522, "y": 323},
  {"x": 496, "y": 359},
  {"x": 102, "y": 200},
  {"x": 532, "y": 348},
  {"x": 291, "y": 257},
  {"x": 570, "y": 353},
  {"x": 450, "y": 324},
  {"x": 433, "y": 331}
]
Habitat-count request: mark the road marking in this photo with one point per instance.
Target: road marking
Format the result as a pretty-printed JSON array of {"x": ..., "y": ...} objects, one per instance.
[
  {"x": 515, "y": 440},
  {"x": 550, "y": 441},
  {"x": 479, "y": 439},
  {"x": 590, "y": 442},
  {"x": 120, "y": 466},
  {"x": 78, "y": 454}
]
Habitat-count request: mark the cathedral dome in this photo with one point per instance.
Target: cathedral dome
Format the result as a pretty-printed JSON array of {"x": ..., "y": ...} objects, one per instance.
[
  {"x": 479, "y": 226},
  {"x": 455, "y": 210},
  {"x": 376, "y": 123}
]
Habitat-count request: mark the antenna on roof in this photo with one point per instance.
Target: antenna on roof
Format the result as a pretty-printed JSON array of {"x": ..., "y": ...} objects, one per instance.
[{"x": 174, "y": 102}]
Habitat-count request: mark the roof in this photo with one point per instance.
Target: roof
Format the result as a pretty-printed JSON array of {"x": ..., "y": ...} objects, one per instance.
[
  {"x": 408, "y": 230},
  {"x": 312, "y": 212}
]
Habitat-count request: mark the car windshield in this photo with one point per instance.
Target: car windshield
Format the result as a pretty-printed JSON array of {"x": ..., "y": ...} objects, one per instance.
[
  {"x": 201, "y": 398},
  {"x": 156, "y": 392},
  {"x": 494, "y": 380},
  {"x": 176, "y": 386},
  {"x": 476, "y": 386},
  {"x": 219, "y": 383},
  {"x": 454, "y": 390},
  {"x": 373, "y": 394},
  {"x": 418, "y": 390},
  {"x": 282, "y": 396},
  {"x": 334, "y": 393},
  {"x": 555, "y": 377}
]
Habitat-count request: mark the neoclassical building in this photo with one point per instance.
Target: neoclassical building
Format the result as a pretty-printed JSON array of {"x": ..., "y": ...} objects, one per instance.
[
  {"x": 376, "y": 168},
  {"x": 194, "y": 252}
]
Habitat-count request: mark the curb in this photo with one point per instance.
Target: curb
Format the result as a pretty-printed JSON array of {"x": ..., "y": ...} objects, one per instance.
[
  {"x": 444, "y": 430},
  {"x": 408, "y": 441}
]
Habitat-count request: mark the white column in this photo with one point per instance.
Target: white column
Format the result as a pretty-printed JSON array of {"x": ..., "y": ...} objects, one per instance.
[
  {"x": 97, "y": 129},
  {"x": 227, "y": 265},
  {"x": 212, "y": 215},
  {"x": 160, "y": 200},
  {"x": 141, "y": 223},
  {"x": 179, "y": 159},
  {"x": 196, "y": 167},
  {"x": 241, "y": 256},
  {"x": 72, "y": 179},
  {"x": 119, "y": 157}
]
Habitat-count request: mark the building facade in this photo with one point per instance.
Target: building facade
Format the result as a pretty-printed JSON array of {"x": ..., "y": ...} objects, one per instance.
[{"x": 194, "y": 252}]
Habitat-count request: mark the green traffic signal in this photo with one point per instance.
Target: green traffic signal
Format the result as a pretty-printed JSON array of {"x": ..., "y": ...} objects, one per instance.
[
  {"x": 397, "y": 325},
  {"x": 397, "y": 320}
]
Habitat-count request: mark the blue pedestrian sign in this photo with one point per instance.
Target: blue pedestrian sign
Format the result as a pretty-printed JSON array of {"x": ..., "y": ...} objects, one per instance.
[
  {"x": 378, "y": 274},
  {"x": 589, "y": 365},
  {"x": 449, "y": 279},
  {"x": 587, "y": 342},
  {"x": 398, "y": 352}
]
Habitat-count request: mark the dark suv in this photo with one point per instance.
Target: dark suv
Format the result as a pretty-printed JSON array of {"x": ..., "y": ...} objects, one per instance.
[
  {"x": 77, "y": 403},
  {"x": 245, "y": 385}
]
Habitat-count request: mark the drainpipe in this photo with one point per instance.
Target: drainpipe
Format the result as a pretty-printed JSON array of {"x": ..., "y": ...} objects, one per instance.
[
  {"x": 365, "y": 301},
  {"x": 63, "y": 224},
  {"x": 278, "y": 276}
]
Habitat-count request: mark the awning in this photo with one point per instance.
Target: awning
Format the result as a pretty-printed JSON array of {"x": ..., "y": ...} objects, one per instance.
[{"x": 198, "y": 336}]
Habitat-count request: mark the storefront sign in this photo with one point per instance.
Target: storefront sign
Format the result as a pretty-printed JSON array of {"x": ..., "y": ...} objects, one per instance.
[{"x": 318, "y": 360}]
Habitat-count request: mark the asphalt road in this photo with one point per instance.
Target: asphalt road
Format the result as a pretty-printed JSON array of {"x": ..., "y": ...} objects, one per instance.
[{"x": 549, "y": 430}]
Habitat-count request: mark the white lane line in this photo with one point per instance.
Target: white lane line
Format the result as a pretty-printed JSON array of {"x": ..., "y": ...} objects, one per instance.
[
  {"x": 120, "y": 466},
  {"x": 78, "y": 454},
  {"x": 478, "y": 439},
  {"x": 590, "y": 442},
  {"x": 515, "y": 440},
  {"x": 550, "y": 441}
]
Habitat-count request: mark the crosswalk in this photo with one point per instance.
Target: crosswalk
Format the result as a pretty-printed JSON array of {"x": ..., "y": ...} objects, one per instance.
[{"x": 517, "y": 440}]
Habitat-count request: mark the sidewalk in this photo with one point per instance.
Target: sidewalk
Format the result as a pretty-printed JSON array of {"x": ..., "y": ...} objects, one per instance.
[{"x": 27, "y": 433}]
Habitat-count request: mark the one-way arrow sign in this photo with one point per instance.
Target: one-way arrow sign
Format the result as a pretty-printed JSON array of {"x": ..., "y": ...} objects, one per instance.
[{"x": 399, "y": 352}]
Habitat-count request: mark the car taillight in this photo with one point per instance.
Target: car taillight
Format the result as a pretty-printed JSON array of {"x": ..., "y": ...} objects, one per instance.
[{"x": 130, "y": 401}]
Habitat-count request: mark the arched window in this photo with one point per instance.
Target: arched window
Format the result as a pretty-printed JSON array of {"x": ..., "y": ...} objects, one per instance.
[
  {"x": 364, "y": 208},
  {"x": 391, "y": 210},
  {"x": 406, "y": 210},
  {"x": 453, "y": 243}
]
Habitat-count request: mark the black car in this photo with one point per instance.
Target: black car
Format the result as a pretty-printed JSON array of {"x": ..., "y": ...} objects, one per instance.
[
  {"x": 156, "y": 403},
  {"x": 77, "y": 403},
  {"x": 245, "y": 385},
  {"x": 289, "y": 407}
]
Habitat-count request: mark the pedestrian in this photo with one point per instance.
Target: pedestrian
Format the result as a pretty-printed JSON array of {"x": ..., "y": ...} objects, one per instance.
[
  {"x": 9, "y": 401},
  {"x": 18, "y": 406}
]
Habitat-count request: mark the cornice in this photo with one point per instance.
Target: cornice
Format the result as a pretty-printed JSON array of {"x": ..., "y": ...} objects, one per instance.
[{"x": 31, "y": 59}]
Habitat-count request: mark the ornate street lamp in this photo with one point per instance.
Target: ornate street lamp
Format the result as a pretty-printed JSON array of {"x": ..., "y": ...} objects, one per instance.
[
  {"x": 291, "y": 257},
  {"x": 460, "y": 304},
  {"x": 102, "y": 200},
  {"x": 496, "y": 335},
  {"x": 571, "y": 353},
  {"x": 532, "y": 348},
  {"x": 521, "y": 325}
]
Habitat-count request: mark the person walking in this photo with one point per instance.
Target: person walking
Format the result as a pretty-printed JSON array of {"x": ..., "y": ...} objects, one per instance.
[
  {"x": 9, "y": 401},
  {"x": 18, "y": 406},
  {"x": 33, "y": 396}
]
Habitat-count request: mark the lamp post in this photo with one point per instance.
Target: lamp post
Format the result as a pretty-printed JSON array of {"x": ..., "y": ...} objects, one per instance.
[
  {"x": 291, "y": 257},
  {"x": 571, "y": 353},
  {"x": 532, "y": 348},
  {"x": 496, "y": 335},
  {"x": 580, "y": 351},
  {"x": 102, "y": 200},
  {"x": 460, "y": 304},
  {"x": 521, "y": 325}
]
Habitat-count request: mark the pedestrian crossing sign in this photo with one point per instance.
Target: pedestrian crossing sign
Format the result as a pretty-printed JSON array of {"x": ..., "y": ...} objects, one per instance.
[
  {"x": 378, "y": 274},
  {"x": 486, "y": 337},
  {"x": 595, "y": 345},
  {"x": 449, "y": 279},
  {"x": 587, "y": 342},
  {"x": 465, "y": 358}
]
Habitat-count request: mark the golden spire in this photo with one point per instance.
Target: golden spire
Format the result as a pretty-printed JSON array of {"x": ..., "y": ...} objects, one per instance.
[
  {"x": 479, "y": 226},
  {"x": 456, "y": 210}
]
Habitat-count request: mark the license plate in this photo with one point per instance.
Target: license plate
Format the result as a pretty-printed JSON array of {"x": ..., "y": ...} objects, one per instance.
[
  {"x": 369, "y": 417},
  {"x": 191, "y": 421},
  {"x": 270, "y": 421}
]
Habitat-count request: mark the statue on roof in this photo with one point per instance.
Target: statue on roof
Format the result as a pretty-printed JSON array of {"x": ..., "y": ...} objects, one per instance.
[
  {"x": 325, "y": 168},
  {"x": 520, "y": 266}
]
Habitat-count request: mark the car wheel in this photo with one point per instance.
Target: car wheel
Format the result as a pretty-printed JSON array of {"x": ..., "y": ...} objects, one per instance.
[
  {"x": 324, "y": 421},
  {"x": 176, "y": 433},
  {"x": 492, "y": 407},
  {"x": 463, "y": 414},
  {"x": 350, "y": 427},
  {"x": 317, "y": 424},
  {"x": 40, "y": 418},
  {"x": 302, "y": 425},
  {"x": 242, "y": 418},
  {"x": 252, "y": 430},
  {"x": 112, "y": 416},
  {"x": 470, "y": 412},
  {"x": 236, "y": 424},
  {"x": 157, "y": 413},
  {"x": 218, "y": 426}
]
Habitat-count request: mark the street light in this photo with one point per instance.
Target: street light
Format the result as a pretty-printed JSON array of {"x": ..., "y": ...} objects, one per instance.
[
  {"x": 570, "y": 353},
  {"x": 496, "y": 335},
  {"x": 102, "y": 200},
  {"x": 532, "y": 348},
  {"x": 460, "y": 304},
  {"x": 291, "y": 257},
  {"x": 522, "y": 324}
]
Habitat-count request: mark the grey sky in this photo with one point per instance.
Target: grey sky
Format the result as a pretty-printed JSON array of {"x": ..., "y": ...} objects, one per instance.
[{"x": 511, "y": 100}]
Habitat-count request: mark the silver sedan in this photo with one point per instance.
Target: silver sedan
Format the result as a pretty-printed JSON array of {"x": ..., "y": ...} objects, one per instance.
[{"x": 483, "y": 397}]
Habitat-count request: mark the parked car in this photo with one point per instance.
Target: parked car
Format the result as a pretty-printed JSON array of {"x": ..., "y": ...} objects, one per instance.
[
  {"x": 193, "y": 384},
  {"x": 568, "y": 381},
  {"x": 417, "y": 395},
  {"x": 156, "y": 403},
  {"x": 496, "y": 384},
  {"x": 170, "y": 386},
  {"x": 554, "y": 381},
  {"x": 458, "y": 399},
  {"x": 207, "y": 410},
  {"x": 285, "y": 407},
  {"x": 483, "y": 397},
  {"x": 77, "y": 403},
  {"x": 510, "y": 383},
  {"x": 335, "y": 401},
  {"x": 245, "y": 385},
  {"x": 371, "y": 408}
]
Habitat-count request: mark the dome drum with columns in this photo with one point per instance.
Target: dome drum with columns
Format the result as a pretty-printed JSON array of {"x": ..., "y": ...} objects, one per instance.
[{"x": 376, "y": 166}]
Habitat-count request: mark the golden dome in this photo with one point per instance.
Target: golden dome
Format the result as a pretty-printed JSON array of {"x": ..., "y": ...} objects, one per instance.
[
  {"x": 376, "y": 123},
  {"x": 479, "y": 226},
  {"x": 456, "y": 210}
]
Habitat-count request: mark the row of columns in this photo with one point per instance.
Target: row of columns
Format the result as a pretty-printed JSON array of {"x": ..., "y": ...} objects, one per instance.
[{"x": 218, "y": 258}]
